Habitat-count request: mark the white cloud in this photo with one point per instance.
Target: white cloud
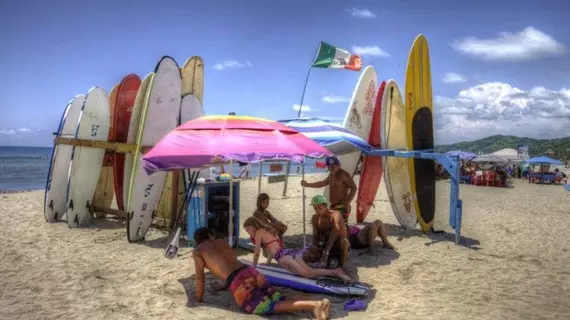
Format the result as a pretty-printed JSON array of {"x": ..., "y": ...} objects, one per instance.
[
  {"x": 362, "y": 13},
  {"x": 24, "y": 130},
  {"x": 373, "y": 51},
  {"x": 305, "y": 108},
  {"x": 335, "y": 99},
  {"x": 7, "y": 131},
  {"x": 228, "y": 64},
  {"x": 452, "y": 77},
  {"x": 499, "y": 108},
  {"x": 527, "y": 44}
]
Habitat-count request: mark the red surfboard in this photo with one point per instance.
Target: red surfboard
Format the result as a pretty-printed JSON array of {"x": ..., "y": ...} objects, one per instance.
[
  {"x": 126, "y": 95},
  {"x": 372, "y": 167}
]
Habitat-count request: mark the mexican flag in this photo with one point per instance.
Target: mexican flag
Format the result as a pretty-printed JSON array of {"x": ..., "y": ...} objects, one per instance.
[{"x": 336, "y": 58}]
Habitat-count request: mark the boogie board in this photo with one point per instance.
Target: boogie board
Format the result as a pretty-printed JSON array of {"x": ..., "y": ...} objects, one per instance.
[
  {"x": 124, "y": 104},
  {"x": 396, "y": 171},
  {"x": 105, "y": 186},
  {"x": 56, "y": 185},
  {"x": 419, "y": 127},
  {"x": 358, "y": 118},
  {"x": 86, "y": 162},
  {"x": 159, "y": 116},
  {"x": 372, "y": 167},
  {"x": 282, "y": 278}
]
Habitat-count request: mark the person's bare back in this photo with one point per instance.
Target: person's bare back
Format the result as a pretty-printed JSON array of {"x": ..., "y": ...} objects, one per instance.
[{"x": 218, "y": 257}]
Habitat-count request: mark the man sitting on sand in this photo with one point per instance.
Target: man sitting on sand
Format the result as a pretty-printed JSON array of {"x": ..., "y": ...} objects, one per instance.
[
  {"x": 342, "y": 187},
  {"x": 366, "y": 237},
  {"x": 329, "y": 236},
  {"x": 251, "y": 291}
]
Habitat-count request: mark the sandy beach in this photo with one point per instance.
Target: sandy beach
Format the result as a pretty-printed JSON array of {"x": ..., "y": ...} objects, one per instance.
[{"x": 514, "y": 262}]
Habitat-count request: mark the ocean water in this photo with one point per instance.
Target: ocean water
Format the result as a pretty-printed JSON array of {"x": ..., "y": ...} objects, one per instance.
[{"x": 26, "y": 168}]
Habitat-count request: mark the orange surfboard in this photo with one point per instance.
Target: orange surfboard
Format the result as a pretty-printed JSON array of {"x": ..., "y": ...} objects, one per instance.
[
  {"x": 372, "y": 167},
  {"x": 125, "y": 100}
]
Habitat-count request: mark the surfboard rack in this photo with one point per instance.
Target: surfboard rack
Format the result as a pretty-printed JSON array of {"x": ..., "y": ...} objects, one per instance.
[
  {"x": 451, "y": 164},
  {"x": 117, "y": 147}
]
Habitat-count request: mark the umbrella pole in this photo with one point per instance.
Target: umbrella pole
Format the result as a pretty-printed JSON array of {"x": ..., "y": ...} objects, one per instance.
[
  {"x": 304, "y": 210},
  {"x": 231, "y": 206},
  {"x": 259, "y": 178}
]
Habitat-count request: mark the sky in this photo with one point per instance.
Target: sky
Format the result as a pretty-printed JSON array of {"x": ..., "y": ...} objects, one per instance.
[{"x": 498, "y": 67}]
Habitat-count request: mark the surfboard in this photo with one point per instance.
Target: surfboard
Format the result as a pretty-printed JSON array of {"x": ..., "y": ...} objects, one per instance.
[
  {"x": 282, "y": 278},
  {"x": 396, "y": 170},
  {"x": 372, "y": 166},
  {"x": 124, "y": 104},
  {"x": 56, "y": 183},
  {"x": 159, "y": 116},
  {"x": 105, "y": 190},
  {"x": 419, "y": 127},
  {"x": 132, "y": 132},
  {"x": 358, "y": 118},
  {"x": 86, "y": 162}
]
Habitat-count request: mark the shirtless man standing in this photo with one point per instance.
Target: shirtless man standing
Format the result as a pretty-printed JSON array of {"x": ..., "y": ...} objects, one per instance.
[
  {"x": 252, "y": 293},
  {"x": 342, "y": 187},
  {"x": 329, "y": 235}
]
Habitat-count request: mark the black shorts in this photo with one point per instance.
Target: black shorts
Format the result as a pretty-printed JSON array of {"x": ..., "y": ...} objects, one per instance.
[{"x": 355, "y": 242}]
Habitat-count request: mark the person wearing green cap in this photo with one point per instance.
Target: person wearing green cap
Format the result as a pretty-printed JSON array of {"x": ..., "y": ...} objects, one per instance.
[
  {"x": 342, "y": 187},
  {"x": 329, "y": 236}
]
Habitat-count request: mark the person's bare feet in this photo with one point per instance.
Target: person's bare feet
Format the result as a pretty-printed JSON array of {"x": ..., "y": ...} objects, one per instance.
[
  {"x": 343, "y": 276},
  {"x": 388, "y": 245},
  {"x": 321, "y": 310}
]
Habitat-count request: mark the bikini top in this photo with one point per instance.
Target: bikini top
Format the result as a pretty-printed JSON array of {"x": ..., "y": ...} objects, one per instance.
[{"x": 264, "y": 245}]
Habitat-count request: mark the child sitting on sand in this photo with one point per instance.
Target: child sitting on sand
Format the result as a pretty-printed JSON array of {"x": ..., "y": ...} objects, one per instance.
[{"x": 264, "y": 236}]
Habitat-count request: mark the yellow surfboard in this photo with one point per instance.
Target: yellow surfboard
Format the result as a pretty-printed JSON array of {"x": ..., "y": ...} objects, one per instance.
[
  {"x": 174, "y": 188},
  {"x": 420, "y": 130},
  {"x": 105, "y": 192}
]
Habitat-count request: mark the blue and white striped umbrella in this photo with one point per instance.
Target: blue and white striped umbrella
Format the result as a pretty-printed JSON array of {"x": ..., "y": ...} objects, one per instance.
[{"x": 333, "y": 137}]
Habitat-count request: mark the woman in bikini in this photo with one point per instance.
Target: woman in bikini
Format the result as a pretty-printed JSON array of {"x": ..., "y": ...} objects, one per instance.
[{"x": 265, "y": 236}]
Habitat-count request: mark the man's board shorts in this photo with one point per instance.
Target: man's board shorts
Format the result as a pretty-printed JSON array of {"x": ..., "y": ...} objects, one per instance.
[
  {"x": 341, "y": 208},
  {"x": 252, "y": 292},
  {"x": 353, "y": 238}
]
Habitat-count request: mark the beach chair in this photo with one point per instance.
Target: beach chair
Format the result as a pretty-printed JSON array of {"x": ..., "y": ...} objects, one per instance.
[{"x": 490, "y": 178}]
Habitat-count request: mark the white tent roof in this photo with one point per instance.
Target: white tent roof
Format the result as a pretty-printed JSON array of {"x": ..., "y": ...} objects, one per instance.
[{"x": 508, "y": 153}]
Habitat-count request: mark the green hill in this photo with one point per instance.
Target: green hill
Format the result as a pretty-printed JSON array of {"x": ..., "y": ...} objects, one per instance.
[{"x": 536, "y": 147}]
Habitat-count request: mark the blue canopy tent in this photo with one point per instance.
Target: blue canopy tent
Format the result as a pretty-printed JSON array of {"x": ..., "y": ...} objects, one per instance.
[
  {"x": 463, "y": 155},
  {"x": 543, "y": 160},
  {"x": 333, "y": 137}
]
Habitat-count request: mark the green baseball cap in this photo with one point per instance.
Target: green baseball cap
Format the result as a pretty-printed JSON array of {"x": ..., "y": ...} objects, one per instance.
[{"x": 318, "y": 199}]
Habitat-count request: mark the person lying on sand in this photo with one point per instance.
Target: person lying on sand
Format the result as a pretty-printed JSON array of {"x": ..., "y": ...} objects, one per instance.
[
  {"x": 329, "y": 235},
  {"x": 263, "y": 215},
  {"x": 366, "y": 237},
  {"x": 263, "y": 235},
  {"x": 342, "y": 187},
  {"x": 251, "y": 291}
]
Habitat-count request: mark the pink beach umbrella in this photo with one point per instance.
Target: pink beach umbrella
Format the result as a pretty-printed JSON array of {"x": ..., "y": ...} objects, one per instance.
[{"x": 209, "y": 139}]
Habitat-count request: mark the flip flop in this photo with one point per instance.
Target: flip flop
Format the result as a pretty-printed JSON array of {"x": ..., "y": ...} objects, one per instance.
[{"x": 355, "y": 305}]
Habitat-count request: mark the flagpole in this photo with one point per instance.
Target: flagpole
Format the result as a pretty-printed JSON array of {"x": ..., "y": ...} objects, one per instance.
[{"x": 304, "y": 90}]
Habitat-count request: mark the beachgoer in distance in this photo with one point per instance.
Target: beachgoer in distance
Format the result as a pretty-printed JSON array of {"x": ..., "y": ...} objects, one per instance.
[
  {"x": 329, "y": 235},
  {"x": 265, "y": 236},
  {"x": 342, "y": 187},
  {"x": 365, "y": 238},
  {"x": 250, "y": 290},
  {"x": 263, "y": 215}
]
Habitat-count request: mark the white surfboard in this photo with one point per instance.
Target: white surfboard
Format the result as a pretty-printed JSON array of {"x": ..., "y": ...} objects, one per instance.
[
  {"x": 358, "y": 118},
  {"x": 396, "y": 170},
  {"x": 56, "y": 187},
  {"x": 86, "y": 162},
  {"x": 159, "y": 116},
  {"x": 132, "y": 133},
  {"x": 191, "y": 108}
]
